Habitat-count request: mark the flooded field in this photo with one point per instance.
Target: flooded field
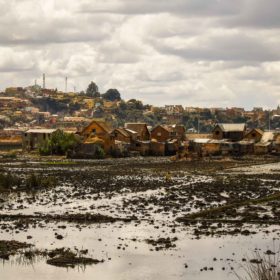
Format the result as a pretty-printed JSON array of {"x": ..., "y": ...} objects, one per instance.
[{"x": 144, "y": 218}]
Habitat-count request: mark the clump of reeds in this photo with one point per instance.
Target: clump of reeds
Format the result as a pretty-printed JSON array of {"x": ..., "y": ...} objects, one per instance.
[{"x": 263, "y": 266}]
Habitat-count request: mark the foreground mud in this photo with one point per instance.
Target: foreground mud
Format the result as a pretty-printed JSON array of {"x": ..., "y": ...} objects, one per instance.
[{"x": 129, "y": 211}]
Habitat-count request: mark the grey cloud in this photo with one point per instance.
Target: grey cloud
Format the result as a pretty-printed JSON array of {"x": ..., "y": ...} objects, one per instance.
[
  {"x": 193, "y": 52},
  {"x": 255, "y": 14},
  {"x": 232, "y": 47},
  {"x": 186, "y": 7}
]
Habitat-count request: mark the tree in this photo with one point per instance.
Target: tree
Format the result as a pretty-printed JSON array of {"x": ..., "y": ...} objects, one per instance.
[
  {"x": 112, "y": 94},
  {"x": 92, "y": 90},
  {"x": 58, "y": 144}
]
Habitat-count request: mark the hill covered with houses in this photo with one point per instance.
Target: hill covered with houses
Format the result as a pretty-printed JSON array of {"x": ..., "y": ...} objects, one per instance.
[{"x": 31, "y": 115}]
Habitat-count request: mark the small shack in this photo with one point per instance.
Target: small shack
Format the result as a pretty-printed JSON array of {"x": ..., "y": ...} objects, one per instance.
[{"x": 34, "y": 138}]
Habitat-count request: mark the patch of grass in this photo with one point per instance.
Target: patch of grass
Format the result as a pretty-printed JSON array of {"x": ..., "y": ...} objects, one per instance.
[
  {"x": 63, "y": 257},
  {"x": 263, "y": 266},
  {"x": 33, "y": 182},
  {"x": 214, "y": 211},
  {"x": 8, "y": 248},
  {"x": 55, "y": 163}
]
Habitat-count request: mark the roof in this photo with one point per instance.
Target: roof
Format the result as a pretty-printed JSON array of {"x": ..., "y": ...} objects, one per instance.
[
  {"x": 41, "y": 130},
  {"x": 267, "y": 136},
  {"x": 191, "y": 136},
  {"x": 256, "y": 130},
  {"x": 130, "y": 131},
  {"x": 138, "y": 127},
  {"x": 165, "y": 127},
  {"x": 230, "y": 127},
  {"x": 103, "y": 125},
  {"x": 122, "y": 131},
  {"x": 208, "y": 141},
  {"x": 93, "y": 140}
]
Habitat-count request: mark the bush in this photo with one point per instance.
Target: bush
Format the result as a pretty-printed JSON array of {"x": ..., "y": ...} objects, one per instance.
[
  {"x": 99, "y": 152},
  {"x": 58, "y": 144}
]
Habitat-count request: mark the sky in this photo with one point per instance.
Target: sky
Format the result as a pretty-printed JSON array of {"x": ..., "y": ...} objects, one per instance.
[{"x": 207, "y": 53}]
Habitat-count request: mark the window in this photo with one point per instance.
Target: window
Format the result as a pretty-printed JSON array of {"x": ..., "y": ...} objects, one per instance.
[
  {"x": 217, "y": 132},
  {"x": 94, "y": 130},
  {"x": 159, "y": 134},
  {"x": 254, "y": 134}
]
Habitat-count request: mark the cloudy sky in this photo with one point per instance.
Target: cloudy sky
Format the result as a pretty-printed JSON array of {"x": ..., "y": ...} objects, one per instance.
[{"x": 191, "y": 52}]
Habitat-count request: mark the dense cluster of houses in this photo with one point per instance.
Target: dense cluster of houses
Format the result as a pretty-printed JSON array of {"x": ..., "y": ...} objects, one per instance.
[
  {"x": 235, "y": 139},
  {"x": 134, "y": 138},
  {"x": 162, "y": 140}
]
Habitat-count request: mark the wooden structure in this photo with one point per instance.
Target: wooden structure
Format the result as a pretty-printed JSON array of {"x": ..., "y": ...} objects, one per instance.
[
  {"x": 34, "y": 138},
  {"x": 98, "y": 132},
  {"x": 143, "y": 134},
  {"x": 231, "y": 132}
]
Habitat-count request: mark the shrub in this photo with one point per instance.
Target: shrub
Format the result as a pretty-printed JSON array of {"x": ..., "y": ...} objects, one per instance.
[
  {"x": 99, "y": 152},
  {"x": 58, "y": 144}
]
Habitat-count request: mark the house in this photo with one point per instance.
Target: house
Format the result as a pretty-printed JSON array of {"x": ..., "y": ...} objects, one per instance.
[
  {"x": 33, "y": 138},
  {"x": 143, "y": 134},
  {"x": 205, "y": 146},
  {"x": 233, "y": 132},
  {"x": 254, "y": 134},
  {"x": 121, "y": 134},
  {"x": 264, "y": 146},
  {"x": 97, "y": 132},
  {"x": 243, "y": 147},
  {"x": 172, "y": 147},
  {"x": 11, "y": 139},
  {"x": 163, "y": 133},
  {"x": 142, "y": 147},
  {"x": 157, "y": 148}
]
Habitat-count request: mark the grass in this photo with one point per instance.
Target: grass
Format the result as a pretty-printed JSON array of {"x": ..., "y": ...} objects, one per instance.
[
  {"x": 33, "y": 182},
  {"x": 50, "y": 163},
  {"x": 209, "y": 213},
  {"x": 263, "y": 266}
]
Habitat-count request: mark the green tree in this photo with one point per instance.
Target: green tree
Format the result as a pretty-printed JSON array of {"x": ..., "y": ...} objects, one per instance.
[
  {"x": 58, "y": 144},
  {"x": 112, "y": 94},
  {"x": 92, "y": 90}
]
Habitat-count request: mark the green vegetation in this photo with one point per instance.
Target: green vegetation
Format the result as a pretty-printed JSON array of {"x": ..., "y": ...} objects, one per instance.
[
  {"x": 59, "y": 144},
  {"x": 262, "y": 267},
  {"x": 8, "y": 248},
  {"x": 99, "y": 152},
  {"x": 33, "y": 182},
  {"x": 214, "y": 212},
  {"x": 59, "y": 163},
  {"x": 112, "y": 94},
  {"x": 67, "y": 258},
  {"x": 92, "y": 90}
]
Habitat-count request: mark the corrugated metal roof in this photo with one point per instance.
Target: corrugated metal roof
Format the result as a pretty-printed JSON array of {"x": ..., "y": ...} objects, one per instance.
[
  {"x": 267, "y": 136},
  {"x": 227, "y": 127},
  {"x": 41, "y": 130},
  {"x": 208, "y": 140}
]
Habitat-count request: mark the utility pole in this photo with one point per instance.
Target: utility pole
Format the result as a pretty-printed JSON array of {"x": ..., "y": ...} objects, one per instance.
[
  {"x": 198, "y": 124},
  {"x": 268, "y": 120},
  {"x": 44, "y": 81},
  {"x": 66, "y": 80}
]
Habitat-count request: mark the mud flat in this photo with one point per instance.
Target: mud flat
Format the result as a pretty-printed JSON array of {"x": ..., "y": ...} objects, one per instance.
[{"x": 137, "y": 218}]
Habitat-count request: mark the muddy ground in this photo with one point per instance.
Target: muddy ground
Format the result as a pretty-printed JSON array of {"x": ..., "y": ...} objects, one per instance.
[{"x": 152, "y": 205}]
